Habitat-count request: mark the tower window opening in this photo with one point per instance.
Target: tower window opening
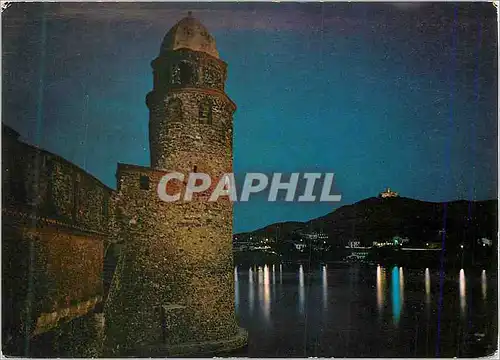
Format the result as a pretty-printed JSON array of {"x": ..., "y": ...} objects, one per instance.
[
  {"x": 195, "y": 169},
  {"x": 144, "y": 182},
  {"x": 186, "y": 73}
]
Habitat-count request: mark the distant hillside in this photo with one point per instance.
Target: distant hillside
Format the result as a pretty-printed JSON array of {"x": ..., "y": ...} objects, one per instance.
[{"x": 378, "y": 219}]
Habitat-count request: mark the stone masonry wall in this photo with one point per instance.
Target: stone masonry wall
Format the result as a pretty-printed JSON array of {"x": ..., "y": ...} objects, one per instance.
[
  {"x": 177, "y": 256},
  {"x": 181, "y": 142},
  {"x": 55, "y": 223},
  {"x": 177, "y": 264},
  {"x": 38, "y": 182},
  {"x": 80, "y": 337},
  {"x": 51, "y": 275}
]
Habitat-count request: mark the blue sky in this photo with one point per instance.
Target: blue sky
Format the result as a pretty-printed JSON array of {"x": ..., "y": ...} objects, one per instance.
[{"x": 382, "y": 95}]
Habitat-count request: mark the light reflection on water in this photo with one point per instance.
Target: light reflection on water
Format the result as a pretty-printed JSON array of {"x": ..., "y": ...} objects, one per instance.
[
  {"x": 483, "y": 284},
  {"x": 401, "y": 286},
  {"x": 427, "y": 286},
  {"x": 260, "y": 285},
  {"x": 301, "y": 289},
  {"x": 324, "y": 286},
  {"x": 250, "y": 290},
  {"x": 462, "y": 291},
  {"x": 331, "y": 290},
  {"x": 274, "y": 279},
  {"x": 396, "y": 295},
  {"x": 380, "y": 288},
  {"x": 267, "y": 294},
  {"x": 236, "y": 289},
  {"x": 281, "y": 274}
]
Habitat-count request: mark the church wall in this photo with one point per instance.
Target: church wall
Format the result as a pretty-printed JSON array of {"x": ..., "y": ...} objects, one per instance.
[
  {"x": 51, "y": 275},
  {"x": 177, "y": 256},
  {"x": 55, "y": 219},
  {"x": 38, "y": 182},
  {"x": 80, "y": 337}
]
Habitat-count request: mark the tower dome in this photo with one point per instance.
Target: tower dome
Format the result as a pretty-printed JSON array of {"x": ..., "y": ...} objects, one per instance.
[{"x": 189, "y": 33}]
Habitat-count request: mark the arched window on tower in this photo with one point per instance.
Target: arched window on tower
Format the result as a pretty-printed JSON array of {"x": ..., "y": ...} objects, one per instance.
[
  {"x": 206, "y": 112},
  {"x": 174, "y": 110}
]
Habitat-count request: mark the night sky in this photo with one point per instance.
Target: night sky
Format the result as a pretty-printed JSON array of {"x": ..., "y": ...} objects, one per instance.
[{"x": 399, "y": 95}]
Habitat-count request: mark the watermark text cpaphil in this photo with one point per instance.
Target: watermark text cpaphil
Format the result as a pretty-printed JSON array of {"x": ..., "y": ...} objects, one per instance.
[{"x": 292, "y": 187}]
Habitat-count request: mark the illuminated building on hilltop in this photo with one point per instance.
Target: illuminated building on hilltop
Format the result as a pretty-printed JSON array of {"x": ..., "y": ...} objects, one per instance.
[{"x": 388, "y": 193}]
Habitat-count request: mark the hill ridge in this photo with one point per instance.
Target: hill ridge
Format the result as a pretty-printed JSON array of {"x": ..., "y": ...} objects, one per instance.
[{"x": 377, "y": 218}]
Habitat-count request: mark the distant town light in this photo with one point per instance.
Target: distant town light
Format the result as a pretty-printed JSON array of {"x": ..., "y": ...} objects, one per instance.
[{"x": 461, "y": 246}]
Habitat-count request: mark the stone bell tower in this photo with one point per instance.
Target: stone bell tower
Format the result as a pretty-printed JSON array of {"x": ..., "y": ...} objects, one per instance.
[
  {"x": 173, "y": 291},
  {"x": 191, "y": 117}
]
